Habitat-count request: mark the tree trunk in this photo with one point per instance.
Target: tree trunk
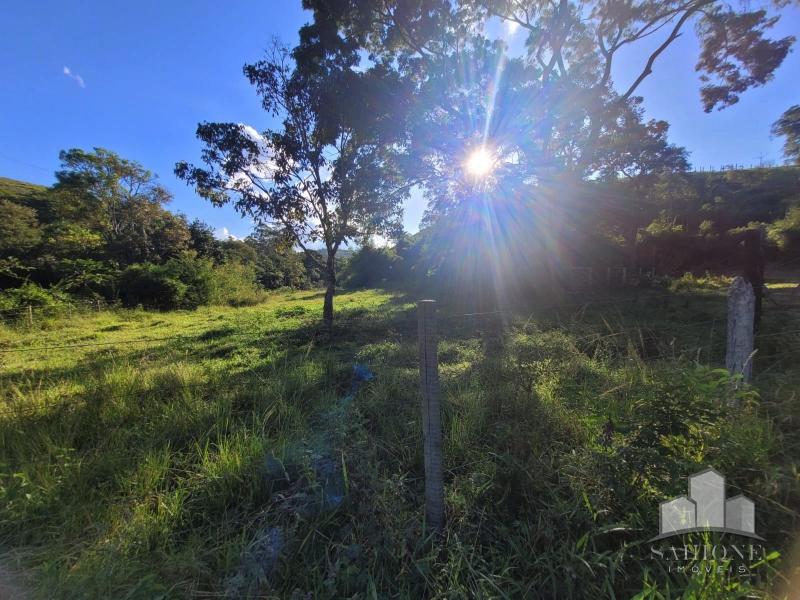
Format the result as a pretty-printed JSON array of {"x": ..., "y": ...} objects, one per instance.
[{"x": 330, "y": 289}]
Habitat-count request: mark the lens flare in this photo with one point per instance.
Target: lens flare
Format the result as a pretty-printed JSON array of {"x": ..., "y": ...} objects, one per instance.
[{"x": 480, "y": 163}]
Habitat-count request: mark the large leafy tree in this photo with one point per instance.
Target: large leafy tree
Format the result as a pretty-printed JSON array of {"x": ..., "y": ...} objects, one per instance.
[
  {"x": 554, "y": 115},
  {"x": 788, "y": 127},
  {"x": 121, "y": 201},
  {"x": 570, "y": 51},
  {"x": 330, "y": 172},
  {"x": 637, "y": 154}
]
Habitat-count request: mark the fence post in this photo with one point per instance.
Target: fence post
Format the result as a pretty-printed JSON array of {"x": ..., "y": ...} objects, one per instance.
[
  {"x": 741, "y": 312},
  {"x": 30, "y": 315},
  {"x": 431, "y": 415},
  {"x": 97, "y": 303}
]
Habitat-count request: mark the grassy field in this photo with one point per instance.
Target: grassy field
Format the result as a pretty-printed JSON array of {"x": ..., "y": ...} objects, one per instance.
[{"x": 187, "y": 454}]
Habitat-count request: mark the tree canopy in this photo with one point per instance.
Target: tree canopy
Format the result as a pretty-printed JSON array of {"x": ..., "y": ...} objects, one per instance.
[
  {"x": 557, "y": 103},
  {"x": 788, "y": 127},
  {"x": 330, "y": 174}
]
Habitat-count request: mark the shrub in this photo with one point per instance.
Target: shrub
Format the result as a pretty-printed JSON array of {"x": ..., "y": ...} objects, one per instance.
[
  {"x": 371, "y": 267},
  {"x": 692, "y": 283},
  {"x": 31, "y": 294},
  {"x": 785, "y": 233},
  {"x": 179, "y": 283},
  {"x": 234, "y": 284}
]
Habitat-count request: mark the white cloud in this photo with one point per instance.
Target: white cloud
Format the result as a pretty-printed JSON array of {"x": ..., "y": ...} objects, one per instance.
[
  {"x": 251, "y": 133},
  {"x": 379, "y": 241},
  {"x": 263, "y": 167},
  {"x": 224, "y": 234},
  {"x": 74, "y": 76}
]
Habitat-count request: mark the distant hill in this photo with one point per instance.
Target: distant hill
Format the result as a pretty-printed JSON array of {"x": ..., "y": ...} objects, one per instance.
[{"x": 22, "y": 192}]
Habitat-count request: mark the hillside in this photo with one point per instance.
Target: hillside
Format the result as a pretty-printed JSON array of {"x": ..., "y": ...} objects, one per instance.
[{"x": 21, "y": 192}]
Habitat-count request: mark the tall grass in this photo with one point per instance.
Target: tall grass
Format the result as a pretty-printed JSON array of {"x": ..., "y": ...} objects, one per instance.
[{"x": 174, "y": 467}]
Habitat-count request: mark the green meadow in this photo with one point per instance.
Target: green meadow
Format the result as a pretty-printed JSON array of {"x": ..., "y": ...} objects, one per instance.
[{"x": 176, "y": 454}]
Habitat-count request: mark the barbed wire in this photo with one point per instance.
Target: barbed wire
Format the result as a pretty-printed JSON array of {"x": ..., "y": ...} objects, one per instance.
[
  {"x": 183, "y": 337},
  {"x": 56, "y": 308},
  {"x": 560, "y": 305}
]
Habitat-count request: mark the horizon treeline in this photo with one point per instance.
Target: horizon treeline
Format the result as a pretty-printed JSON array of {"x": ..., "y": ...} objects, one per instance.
[
  {"x": 104, "y": 230},
  {"x": 498, "y": 246}
]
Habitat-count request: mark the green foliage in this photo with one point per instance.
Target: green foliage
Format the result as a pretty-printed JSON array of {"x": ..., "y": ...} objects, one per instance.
[
  {"x": 279, "y": 265},
  {"x": 275, "y": 175},
  {"x": 81, "y": 275},
  {"x": 708, "y": 282},
  {"x": 372, "y": 267},
  {"x": 234, "y": 284},
  {"x": 785, "y": 233},
  {"x": 134, "y": 470},
  {"x": 23, "y": 193},
  {"x": 788, "y": 127},
  {"x": 103, "y": 209},
  {"x": 179, "y": 283},
  {"x": 203, "y": 242},
  {"x": 107, "y": 213},
  {"x": 30, "y": 294},
  {"x": 65, "y": 239},
  {"x": 19, "y": 228},
  {"x": 123, "y": 202}
]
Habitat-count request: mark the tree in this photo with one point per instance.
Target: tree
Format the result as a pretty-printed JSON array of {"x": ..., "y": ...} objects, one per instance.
[
  {"x": 123, "y": 202},
  {"x": 548, "y": 118},
  {"x": 788, "y": 126},
  {"x": 19, "y": 229},
  {"x": 570, "y": 48},
  {"x": 328, "y": 175},
  {"x": 279, "y": 265},
  {"x": 202, "y": 241},
  {"x": 638, "y": 154}
]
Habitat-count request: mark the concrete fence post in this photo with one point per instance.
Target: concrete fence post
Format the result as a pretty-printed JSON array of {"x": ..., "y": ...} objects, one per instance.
[
  {"x": 431, "y": 415},
  {"x": 741, "y": 314},
  {"x": 30, "y": 316}
]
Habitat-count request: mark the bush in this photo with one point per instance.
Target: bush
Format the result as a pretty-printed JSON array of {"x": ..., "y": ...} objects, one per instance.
[
  {"x": 692, "y": 283},
  {"x": 235, "y": 284},
  {"x": 179, "y": 283},
  {"x": 785, "y": 233},
  {"x": 33, "y": 295},
  {"x": 371, "y": 267}
]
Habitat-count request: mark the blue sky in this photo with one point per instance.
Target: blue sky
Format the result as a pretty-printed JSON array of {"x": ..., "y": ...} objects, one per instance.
[{"x": 143, "y": 74}]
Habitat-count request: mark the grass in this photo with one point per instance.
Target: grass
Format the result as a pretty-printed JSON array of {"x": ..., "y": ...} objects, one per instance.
[
  {"x": 181, "y": 454},
  {"x": 20, "y": 191}
]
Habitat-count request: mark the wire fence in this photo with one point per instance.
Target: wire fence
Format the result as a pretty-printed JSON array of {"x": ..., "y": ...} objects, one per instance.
[
  {"x": 641, "y": 334},
  {"x": 347, "y": 319}
]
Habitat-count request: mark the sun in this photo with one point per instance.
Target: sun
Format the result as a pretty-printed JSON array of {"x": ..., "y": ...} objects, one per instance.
[{"x": 480, "y": 163}]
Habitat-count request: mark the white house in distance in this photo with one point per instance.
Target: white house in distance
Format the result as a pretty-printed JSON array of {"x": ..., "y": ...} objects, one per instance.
[{"x": 706, "y": 508}]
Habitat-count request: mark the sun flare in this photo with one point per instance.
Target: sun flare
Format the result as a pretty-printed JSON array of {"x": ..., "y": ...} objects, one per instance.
[{"x": 480, "y": 163}]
